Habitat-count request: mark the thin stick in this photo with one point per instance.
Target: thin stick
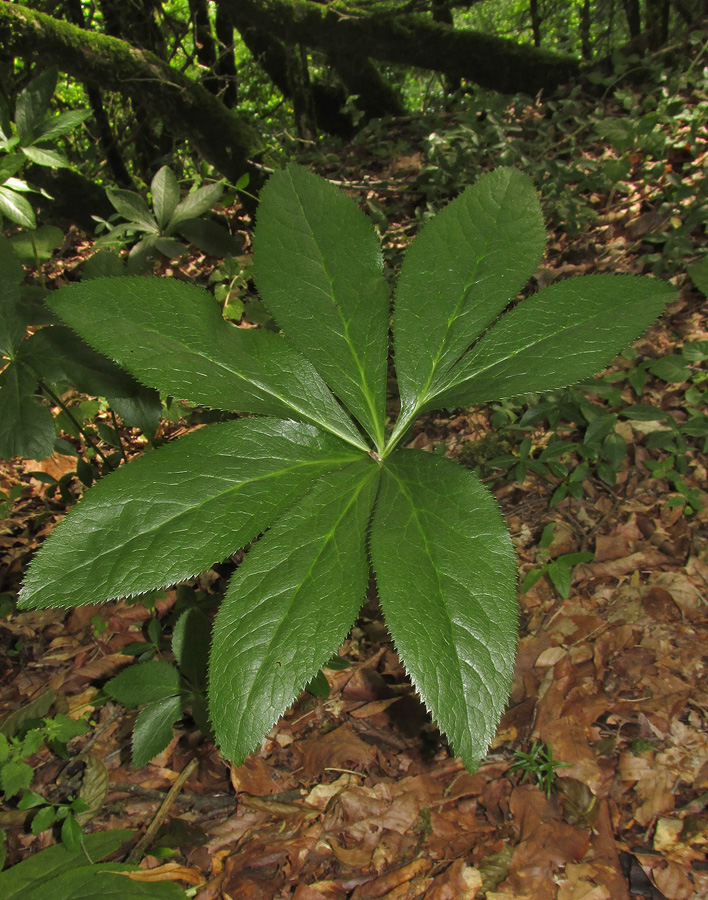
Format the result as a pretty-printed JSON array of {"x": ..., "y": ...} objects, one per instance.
[{"x": 139, "y": 849}]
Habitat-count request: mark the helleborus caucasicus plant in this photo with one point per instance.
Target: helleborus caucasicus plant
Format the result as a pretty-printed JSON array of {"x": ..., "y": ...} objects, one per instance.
[{"x": 314, "y": 469}]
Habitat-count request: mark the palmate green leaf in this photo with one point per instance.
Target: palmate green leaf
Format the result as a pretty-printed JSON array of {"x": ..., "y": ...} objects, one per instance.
[
  {"x": 458, "y": 275},
  {"x": 165, "y": 195},
  {"x": 289, "y": 606},
  {"x": 171, "y": 336},
  {"x": 446, "y": 574},
  {"x": 26, "y": 427},
  {"x": 560, "y": 335},
  {"x": 179, "y": 510},
  {"x": 319, "y": 270}
]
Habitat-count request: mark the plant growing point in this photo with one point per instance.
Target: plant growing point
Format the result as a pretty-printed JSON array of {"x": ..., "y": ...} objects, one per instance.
[{"x": 315, "y": 469}]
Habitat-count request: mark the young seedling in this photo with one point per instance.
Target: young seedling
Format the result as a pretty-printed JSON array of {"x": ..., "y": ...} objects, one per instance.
[{"x": 315, "y": 469}]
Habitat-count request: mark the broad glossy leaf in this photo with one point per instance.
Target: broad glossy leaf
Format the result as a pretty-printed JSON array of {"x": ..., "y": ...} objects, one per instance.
[
  {"x": 289, "y": 606},
  {"x": 165, "y": 195},
  {"x": 179, "y": 510},
  {"x": 133, "y": 208},
  {"x": 564, "y": 333},
  {"x": 459, "y": 273},
  {"x": 43, "y": 156},
  {"x": 319, "y": 270},
  {"x": 446, "y": 574},
  {"x": 171, "y": 336},
  {"x": 26, "y": 427},
  {"x": 153, "y": 728},
  {"x": 195, "y": 204},
  {"x": 144, "y": 683},
  {"x": 37, "y": 870},
  {"x": 16, "y": 208},
  {"x": 56, "y": 126}
]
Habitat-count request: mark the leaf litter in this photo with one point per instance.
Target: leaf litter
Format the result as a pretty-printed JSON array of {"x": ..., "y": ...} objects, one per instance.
[{"x": 356, "y": 796}]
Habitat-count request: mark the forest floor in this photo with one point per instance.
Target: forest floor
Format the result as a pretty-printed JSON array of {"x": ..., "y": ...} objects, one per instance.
[{"x": 357, "y": 796}]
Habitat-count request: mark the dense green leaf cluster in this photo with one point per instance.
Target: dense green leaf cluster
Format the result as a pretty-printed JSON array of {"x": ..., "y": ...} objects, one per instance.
[{"x": 324, "y": 481}]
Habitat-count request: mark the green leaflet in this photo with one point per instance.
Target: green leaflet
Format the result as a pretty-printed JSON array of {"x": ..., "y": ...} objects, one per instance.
[
  {"x": 459, "y": 273},
  {"x": 446, "y": 573},
  {"x": 144, "y": 683},
  {"x": 176, "y": 511},
  {"x": 289, "y": 606},
  {"x": 319, "y": 270},
  {"x": 171, "y": 336},
  {"x": 564, "y": 333}
]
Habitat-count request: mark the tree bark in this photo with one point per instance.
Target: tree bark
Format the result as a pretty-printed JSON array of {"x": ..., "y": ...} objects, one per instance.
[
  {"x": 409, "y": 39},
  {"x": 586, "y": 46},
  {"x": 634, "y": 21},
  {"x": 191, "y": 112}
]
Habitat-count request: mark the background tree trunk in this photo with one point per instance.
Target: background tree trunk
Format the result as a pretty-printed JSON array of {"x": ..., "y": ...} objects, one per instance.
[{"x": 409, "y": 39}]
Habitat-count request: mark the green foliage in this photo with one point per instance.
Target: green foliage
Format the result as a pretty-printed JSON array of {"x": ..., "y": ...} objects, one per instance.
[
  {"x": 65, "y": 873},
  {"x": 154, "y": 231},
  {"x": 50, "y": 358},
  {"x": 539, "y": 764},
  {"x": 322, "y": 496},
  {"x": 30, "y": 138},
  {"x": 559, "y": 569},
  {"x": 164, "y": 691}
]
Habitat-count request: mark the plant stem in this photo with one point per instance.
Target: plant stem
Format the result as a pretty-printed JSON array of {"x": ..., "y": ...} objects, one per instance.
[{"x": 72, "y": 418}]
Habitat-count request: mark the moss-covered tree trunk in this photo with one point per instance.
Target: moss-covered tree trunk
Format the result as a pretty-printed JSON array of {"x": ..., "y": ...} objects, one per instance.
[
  {"x": 408, "y": 39},
  {"x": 188, "y": 109}
]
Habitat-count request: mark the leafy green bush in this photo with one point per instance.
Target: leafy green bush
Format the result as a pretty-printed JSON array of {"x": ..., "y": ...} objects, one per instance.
[
  {"x": 153, "y": 230},
  {"x": 26, "y": 139},
  {"x": 323, "y": 475}
]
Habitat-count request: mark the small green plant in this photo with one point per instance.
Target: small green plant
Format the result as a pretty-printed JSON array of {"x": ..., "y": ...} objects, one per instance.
[
  {"x": 317, "y": 470},
  {"x": 26, "y": 139},
  {"x": 538, "y": 764},
  {"x": 153, "y": 231},
  {"x": 49, "y": 814},
  {"x": 15, "y": 774},
  {"x": 64, "y": 872},
  {"x": 559, "y": 570},
  {"x": 165, "y": 691}
]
